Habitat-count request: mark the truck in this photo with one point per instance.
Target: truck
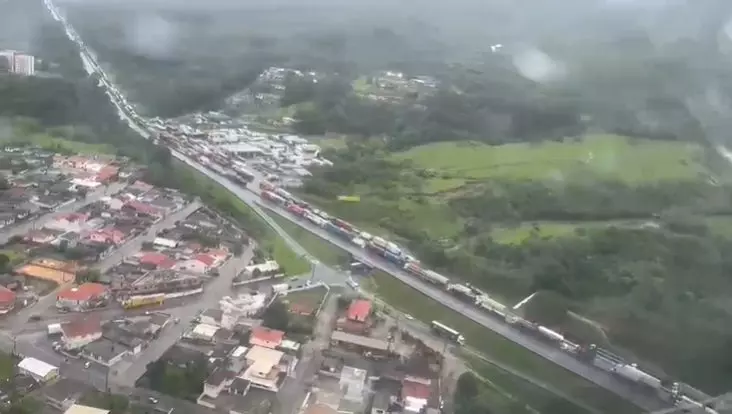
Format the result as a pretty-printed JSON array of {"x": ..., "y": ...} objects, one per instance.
[
  {"x": 550, "y": 334},
  {"x": 272, "y": 197},
  {"x": 264, "y": 185},
  {"x": 54, "y": 329},
  {"x": 434, "y": 277},
  {"x": 296, "y": 210},
  {"x": 343, "y": 224},
  {"x": 445, "y": 331}
]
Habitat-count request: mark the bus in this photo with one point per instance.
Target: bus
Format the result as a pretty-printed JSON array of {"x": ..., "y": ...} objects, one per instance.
[{"x": 447, "y": 332}]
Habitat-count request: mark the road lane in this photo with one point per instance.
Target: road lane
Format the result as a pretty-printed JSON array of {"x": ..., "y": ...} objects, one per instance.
[
  {"x": 555, "y": 355},
  {"x": 213, "y": 292},
  {"x": 38, "y": 222}
]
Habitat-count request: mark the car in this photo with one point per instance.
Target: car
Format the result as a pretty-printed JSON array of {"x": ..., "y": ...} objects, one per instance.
[
  {"x": 35, "y": 317},
  {"x": 352, "y": 283},
  {"x": 153, "y": 400},
  {"x": 87, "y": 364},
  {"x": 408, "y": 317}
]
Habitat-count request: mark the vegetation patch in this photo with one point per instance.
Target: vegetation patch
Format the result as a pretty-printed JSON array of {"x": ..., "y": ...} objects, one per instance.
[
  {"x": 495, "y": 346},
  {"x": 630, "y": 160},
  {"x": 320, "y": 249}
]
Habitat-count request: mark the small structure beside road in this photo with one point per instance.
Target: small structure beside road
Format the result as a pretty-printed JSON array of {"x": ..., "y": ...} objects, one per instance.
[{"x": 38, "y": 370}]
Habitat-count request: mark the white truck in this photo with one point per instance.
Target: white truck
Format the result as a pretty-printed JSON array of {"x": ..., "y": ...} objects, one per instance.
[{"x": 54, "y": 329}]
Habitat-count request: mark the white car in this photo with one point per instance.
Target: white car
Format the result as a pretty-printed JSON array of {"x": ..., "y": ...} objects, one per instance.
[
  {"x": 408, "y": 317},
  {"x": 153, "y": 400},
  {"x": 87, "y": 364}
]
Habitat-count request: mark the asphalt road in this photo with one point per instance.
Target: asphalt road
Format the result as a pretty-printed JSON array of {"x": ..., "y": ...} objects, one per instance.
[
  {"x": 134, "y": 245},
  {"x": 130, "y": 371},
  {"x": 38, "y": 222},
  {"x": 19, "y": 320},
  {"x": 551, "y": 353},
  {"x": 293, "y": 391}
]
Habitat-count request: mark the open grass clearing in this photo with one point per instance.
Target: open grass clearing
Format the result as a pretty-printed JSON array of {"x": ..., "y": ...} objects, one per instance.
[
  {"x": 309, "y": 298},
  {"x": 552, "y": 229},
  {"x": 56, "y": 144},
  {"x": 517, "y": 389},
  {"x": 497, "y": 347},
  {"x": 292, "y": 263},
  {"x": 599, "y": 156},
  {"x": 322, "y": 250}
]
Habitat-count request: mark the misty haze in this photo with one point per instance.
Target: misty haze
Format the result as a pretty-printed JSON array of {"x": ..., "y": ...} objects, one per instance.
[{"x": 466, "y": 207}]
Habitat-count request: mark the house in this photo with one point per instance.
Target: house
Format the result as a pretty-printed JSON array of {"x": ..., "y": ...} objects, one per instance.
[
  {"x": 64, "y": 393},
  {"x": 80, "y": 332},
  {"x": 142, "y": 209},
  {"x": 357, "y": 318},
  {"x": 266, "y": 337},
  {"x": 219, "y": 379},
  {"x": 85, "y": 409},
  {"x": 415, "y": 394},
  {"x": 85, "y": 296},
  {"x": 211, "y": 317},
  {"x": 7, "y": 300},
  {"x": 71, "y": 222},
  {"x": 204, "y": 332},
  {"x": 37, "y": 369},
  {"x": 359, "y": 310},
  {"x": 43, "y": 236},
  {"x": 107, "y": 235},
  {"x": 156, "y": 260},
  {"x": 264, "y": 368},
  {"x": 105, "y": 352},
  {"x": 192, "y": 266},
  {"x": 107, "y": 173}
]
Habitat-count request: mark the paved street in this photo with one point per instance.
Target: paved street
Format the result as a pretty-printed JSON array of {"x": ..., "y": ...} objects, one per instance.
[
  {"x": 19, "y": 320},
  {"x": 293, "y": 391},
  {"x": 134, "y": 245},
  {"x": 38, "y": 222},
  {"x": 129, "y": 371}
]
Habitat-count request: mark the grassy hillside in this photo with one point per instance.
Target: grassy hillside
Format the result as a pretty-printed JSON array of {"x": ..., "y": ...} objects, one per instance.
[{"x": 614, "y": 225}]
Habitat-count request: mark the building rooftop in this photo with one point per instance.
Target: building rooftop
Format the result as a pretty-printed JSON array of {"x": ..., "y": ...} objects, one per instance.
[
  {"x": 359, "y": 310},
  {"x": 84, "y": 409},
  {"x": 363, "y": 341},
  {"x": 81, "y": 327},
  {"x": 83, "y": 292},
  {"x": 36, "y": 366},
  {"x": 6, "y": 295},
  {"x": 264, "y": 336}
]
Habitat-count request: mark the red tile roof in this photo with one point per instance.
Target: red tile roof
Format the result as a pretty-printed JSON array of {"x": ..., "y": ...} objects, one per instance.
[
  {"x": 107, "y": 172},
  {"x": 359, "y": 310},
  {"x": 204, "y": 258},
  {"x": 6, "y": 295},
  {"x": 83, "y": 292},
  {"x": 266, "y": 335},
  {"x": 156, "y": 259},
  {"x": 142, "y": 207},
  {"x": 415, "y": 390},
  {"x": 72, "y": 217},
  {"x": 82, "y": 327}
]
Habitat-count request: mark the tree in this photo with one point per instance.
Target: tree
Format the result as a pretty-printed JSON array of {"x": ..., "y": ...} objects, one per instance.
[
  {"x": 87, "y": 276},
  {"x": 276, "y": 316},
  {"x": 4, "y": 263}
]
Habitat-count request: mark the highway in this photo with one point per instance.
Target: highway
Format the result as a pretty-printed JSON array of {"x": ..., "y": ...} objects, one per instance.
[{"x": 551, "y": 353}]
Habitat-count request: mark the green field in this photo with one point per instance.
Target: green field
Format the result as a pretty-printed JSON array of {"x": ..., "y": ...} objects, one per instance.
[
  {"x": 291, "y": 262},
  {"x": 323, "y": 251},
  {"x": 60, "y": 144},
  {"x": 548, "y": 229},
  {"x": 310, "y": 297},
  {"x": 596, "y": 156},
  {"x": 491, "y": 344}
]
